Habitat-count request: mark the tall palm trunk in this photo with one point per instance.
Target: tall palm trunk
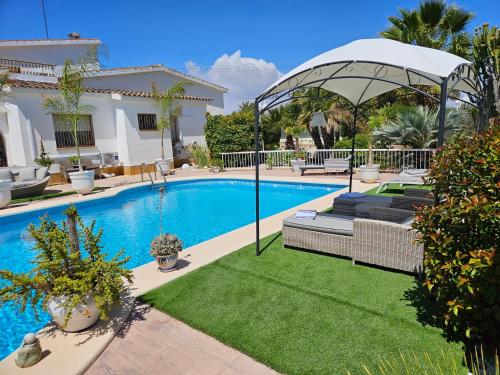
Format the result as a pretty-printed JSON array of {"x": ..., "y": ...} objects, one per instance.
[
  {"x": 77, "y": 144},
  {"x": 162, "y": 133}
]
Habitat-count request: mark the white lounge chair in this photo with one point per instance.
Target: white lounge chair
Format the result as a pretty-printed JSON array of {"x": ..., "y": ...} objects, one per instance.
[
  {"x": 407, "y": 177},
  {"x": 329, "y": 165}
]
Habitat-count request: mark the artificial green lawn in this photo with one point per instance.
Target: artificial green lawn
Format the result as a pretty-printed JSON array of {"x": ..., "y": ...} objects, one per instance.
[
  {"x": 50, "y": 196},
  {"x": 394, "y": 189},
  {"x": 301, "y": 313}
]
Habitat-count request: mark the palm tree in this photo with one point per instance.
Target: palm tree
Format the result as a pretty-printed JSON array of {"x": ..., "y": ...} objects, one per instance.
[
  {"x": 4, "y": 78},
  {"x": 416, "y": 127},
  {"x": 271, "y": 126},
  {"x": 295, "y": 131},
  {"x": 433, "y": 24},
  {"x": 168, "y": 106},
  {"x": 246, "y": 107},
  {"x": 68, "y": 105}
]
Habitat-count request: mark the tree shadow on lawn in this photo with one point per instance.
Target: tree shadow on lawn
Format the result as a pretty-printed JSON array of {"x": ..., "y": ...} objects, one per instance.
[{"x": 428, "y": 311}]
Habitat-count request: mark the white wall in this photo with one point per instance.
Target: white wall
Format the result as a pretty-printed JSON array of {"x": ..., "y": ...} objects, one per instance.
[
  {"x": 55, "y": 54},
  {"x": 143, "y": 146},
  {"x": 114, "y": 121}
]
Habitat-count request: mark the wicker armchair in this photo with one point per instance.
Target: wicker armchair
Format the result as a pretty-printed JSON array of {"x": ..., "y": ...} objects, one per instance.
[{"x": 387, "y": 244}]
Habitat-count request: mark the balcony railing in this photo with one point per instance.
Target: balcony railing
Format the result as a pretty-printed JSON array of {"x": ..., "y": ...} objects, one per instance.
[
  {"x": 28, "y": 67},
  {"x": 394, "y": 160}
]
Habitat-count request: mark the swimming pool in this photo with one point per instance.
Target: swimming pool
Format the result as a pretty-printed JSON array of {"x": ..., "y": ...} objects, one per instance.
[{"x": 194, "y": 210}]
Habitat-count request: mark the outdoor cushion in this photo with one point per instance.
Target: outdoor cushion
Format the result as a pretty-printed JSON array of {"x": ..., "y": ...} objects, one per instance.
[
  {"x": 26, "y": 174},
  {"x": 6, "y": 174},
  {"x": 408, "y": 222},
  {"x": 367, "y": 199},
  {"x": 41, "y": 173},
  {"x": 325, "y": 223},
  {"x": 22, "y": 184}
]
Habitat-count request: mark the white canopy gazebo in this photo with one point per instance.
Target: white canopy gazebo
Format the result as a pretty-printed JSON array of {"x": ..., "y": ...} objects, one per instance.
[{"x": 364, "y": 69}]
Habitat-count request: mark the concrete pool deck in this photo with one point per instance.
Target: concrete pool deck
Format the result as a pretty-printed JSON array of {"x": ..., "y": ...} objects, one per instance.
[{"x": 73, "y": 353}]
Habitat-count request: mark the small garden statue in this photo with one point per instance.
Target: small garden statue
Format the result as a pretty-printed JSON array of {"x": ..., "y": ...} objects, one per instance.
[{"x": 30, "y": 351}]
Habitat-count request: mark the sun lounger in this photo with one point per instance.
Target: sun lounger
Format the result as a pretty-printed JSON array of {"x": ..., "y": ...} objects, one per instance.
[{"x": 407, "y": 177}]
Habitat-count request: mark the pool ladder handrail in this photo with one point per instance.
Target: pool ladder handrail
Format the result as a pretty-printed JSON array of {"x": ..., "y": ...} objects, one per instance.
[{"x": 144, "y": 167}]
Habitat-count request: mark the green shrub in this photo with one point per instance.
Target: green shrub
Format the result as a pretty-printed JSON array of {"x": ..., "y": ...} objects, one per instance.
[
  {"x": 445, "y": 362},
  {"x": 231, "y": 133},
  {"x": 361, "y": 141},
  {"x": 61, "y": 268},
  {"x": 200, "y": 155},
  {"x": 461, "y": 236}
]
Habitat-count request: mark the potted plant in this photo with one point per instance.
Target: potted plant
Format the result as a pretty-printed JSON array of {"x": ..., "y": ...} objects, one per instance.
[
  {"x": 74, "y": 161},
  {"x": 168, "y": 107},
  {"x": 69, "y": 108},
  {"x": 75, "y": 286},
  {"x": 44, "y": 160},
  {"x": 298, "y": 160},
  {"x": 370, "y": 172},
  {"x": 216, "y": 165},
  {"x": 165, "y": 247}
]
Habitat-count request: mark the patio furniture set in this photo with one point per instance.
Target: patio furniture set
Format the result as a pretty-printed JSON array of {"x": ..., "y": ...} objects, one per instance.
[
  {"x": 25, "y": 181},
  {"x": 368, "y": 229}
]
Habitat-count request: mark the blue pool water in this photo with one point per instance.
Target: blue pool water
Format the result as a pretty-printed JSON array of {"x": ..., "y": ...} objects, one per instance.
[{"x": 194, "y": 210}]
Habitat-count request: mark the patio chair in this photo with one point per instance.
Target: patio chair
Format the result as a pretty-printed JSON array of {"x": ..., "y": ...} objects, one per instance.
[
  {"x": 407, "y": 177},
  {"x": 26, "y": 181}
]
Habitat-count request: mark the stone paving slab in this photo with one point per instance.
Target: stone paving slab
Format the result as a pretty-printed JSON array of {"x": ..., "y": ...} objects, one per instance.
[{"x": 155, "y": 343}]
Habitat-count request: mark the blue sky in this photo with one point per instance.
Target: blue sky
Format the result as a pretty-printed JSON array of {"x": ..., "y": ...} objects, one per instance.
[{"x": 195, "y": 36}]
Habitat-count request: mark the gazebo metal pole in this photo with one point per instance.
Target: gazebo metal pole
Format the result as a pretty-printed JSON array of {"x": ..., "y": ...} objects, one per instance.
[
  {"x": 351, "y": 164},
  {"x": 257, "y": 162},
  {"x": 443, "y": 96}
]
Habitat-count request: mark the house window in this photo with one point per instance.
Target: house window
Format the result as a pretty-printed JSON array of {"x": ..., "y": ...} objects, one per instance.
[
  {"x": 64, "y": 136},
  {"x": 147, "y": 121},
  {"x": 174, "y": 130}
]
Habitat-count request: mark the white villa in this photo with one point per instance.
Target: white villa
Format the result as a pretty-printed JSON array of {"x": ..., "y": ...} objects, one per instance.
[{"x": 123, "y": 126}]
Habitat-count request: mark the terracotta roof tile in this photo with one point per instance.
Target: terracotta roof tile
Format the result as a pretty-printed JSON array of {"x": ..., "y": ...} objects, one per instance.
[{"x": 54, "y": 86}]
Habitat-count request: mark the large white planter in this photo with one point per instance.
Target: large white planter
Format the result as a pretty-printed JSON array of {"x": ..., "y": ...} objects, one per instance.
[
  {"x": 5, "y": 195},
  {"x": 296, "y": 163},
  {"x": 82, "y": 316},
  {"x": 82, "y": 182},
  {"x": 369, "y": 174},
  {"x": 163, "y": 166}
]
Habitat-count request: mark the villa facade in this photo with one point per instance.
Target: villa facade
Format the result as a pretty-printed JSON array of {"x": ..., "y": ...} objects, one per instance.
[{"x": 122, "y": 126}]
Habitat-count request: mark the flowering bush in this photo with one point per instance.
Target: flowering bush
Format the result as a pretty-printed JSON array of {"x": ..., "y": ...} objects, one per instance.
[{"x": 461, "y": 236}]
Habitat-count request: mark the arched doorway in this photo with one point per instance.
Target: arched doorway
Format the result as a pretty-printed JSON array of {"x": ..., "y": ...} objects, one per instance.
[{"x": 3, "y": 152}]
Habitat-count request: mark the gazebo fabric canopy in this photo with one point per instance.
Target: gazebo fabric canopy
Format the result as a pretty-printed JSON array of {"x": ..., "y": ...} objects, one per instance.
[
  {"x": 366, "y": 68},
  {"x": 362, "y": 70}
]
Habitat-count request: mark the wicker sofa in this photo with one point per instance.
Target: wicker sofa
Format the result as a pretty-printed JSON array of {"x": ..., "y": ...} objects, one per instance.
[
  {"x": 384, "y": 239},
  {"x": 26, "y": 181}
]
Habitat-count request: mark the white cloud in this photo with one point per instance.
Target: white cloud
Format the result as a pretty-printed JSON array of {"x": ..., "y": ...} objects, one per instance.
[{"x": 245, "y": 77}]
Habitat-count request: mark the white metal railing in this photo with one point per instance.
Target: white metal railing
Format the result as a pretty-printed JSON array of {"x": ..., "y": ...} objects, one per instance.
[
  {"x": 28, "y": 67},
  {"x": 390, "y": 160}
]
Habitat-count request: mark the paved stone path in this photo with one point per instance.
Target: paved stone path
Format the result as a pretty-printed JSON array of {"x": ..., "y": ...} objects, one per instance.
[{"x": 155, "y": 343}]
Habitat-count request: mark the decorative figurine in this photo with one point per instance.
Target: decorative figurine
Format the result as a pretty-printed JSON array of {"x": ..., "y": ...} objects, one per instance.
[{"x": 30, "y": 351}]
